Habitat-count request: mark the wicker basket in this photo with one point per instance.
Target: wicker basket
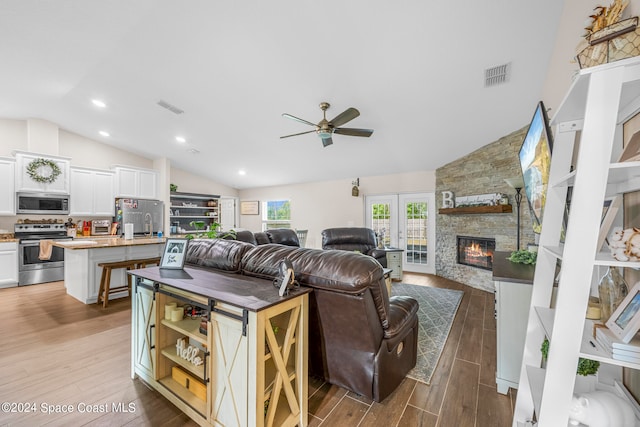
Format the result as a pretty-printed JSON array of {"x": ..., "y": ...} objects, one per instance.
[{"x": 618, "y": 41}]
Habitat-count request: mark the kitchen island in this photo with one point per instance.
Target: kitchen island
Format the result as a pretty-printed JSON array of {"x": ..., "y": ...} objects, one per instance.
[{"x": 82, "y": 256}]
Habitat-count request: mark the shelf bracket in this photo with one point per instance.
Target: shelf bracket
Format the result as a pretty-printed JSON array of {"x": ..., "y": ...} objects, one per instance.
[{"x": 571, "y": 126}]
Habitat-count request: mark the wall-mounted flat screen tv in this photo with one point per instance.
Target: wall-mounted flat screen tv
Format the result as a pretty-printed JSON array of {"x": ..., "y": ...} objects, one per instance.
[{"x": 535, "y": 161}]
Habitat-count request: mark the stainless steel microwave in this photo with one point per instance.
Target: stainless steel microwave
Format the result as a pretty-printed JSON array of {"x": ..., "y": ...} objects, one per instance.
[{"x": 42, "y": 203}]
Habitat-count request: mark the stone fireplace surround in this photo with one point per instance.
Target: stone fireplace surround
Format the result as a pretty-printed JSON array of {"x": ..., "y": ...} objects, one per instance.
[{"x": 480, "y": 172}]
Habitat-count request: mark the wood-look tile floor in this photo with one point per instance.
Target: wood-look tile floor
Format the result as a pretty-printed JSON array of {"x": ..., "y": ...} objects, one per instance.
[{"x": 63, "y": 363}]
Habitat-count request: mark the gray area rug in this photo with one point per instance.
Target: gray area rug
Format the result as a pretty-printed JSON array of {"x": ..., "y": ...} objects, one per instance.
[{"x": 437, "y": 310}]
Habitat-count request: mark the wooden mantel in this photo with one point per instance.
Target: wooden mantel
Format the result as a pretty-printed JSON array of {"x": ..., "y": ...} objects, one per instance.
[{"x": 476, "y": 210}]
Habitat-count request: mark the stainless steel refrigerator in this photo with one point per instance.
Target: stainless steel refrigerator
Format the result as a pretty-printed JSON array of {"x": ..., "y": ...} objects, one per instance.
[{"x": 147, "y": 216}]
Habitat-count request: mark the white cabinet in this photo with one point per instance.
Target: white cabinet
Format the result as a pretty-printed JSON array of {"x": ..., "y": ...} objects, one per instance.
[
  {"x": 394, "y": 262},
  {"x": 255, "y": 360},
  {"x": 143, "y": 336},
  {"x": 7, "y": 189},
  {"x": 24, "y": 182},
  {"x": 134, "y": 182},
  {"x": 91, "y": 192},
  {"x": 512, "y": 304},
  {"x": 8, "y": 264},
  {"x": 600, "y": 100}
]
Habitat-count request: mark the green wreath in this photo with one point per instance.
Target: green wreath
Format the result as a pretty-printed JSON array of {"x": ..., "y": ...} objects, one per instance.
[{"x": 36, "y": 166}]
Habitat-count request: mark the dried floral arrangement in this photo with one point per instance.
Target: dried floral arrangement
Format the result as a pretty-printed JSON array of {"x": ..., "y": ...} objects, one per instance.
[{"x": 605, "y": 16}]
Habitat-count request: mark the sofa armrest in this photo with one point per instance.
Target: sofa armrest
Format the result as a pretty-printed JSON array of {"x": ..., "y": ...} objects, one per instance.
[
  {"x": 402, "y": 313},
  {"x": 378, "y": 253}
]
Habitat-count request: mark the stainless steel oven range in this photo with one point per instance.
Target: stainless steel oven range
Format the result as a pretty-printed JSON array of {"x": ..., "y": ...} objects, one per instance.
[{"x": 32, "y": 269}]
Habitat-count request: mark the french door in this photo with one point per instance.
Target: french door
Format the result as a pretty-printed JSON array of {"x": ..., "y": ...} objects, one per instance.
[{"x": 407, "y": 221}]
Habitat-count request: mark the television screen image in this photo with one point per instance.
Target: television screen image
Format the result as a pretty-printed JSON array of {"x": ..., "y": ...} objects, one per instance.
[{"x": 535, "y": 161}]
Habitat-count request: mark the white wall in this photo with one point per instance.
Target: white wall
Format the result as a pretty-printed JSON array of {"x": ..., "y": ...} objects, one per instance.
[
  {"x": 13, "y": 136},
  {"x": 190, "y": 183},
  {"x": 326, "y": 204}
]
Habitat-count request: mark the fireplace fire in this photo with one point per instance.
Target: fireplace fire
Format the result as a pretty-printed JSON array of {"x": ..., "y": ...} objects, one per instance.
[{"x": 476, "y": 251}]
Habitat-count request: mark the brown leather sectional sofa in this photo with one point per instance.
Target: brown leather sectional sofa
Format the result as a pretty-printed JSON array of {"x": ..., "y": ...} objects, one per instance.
[{"x": 359, "y": 338}]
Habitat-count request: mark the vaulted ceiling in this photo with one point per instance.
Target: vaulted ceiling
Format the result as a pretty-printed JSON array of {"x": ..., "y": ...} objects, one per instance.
[{"x": 414, "y": 69}]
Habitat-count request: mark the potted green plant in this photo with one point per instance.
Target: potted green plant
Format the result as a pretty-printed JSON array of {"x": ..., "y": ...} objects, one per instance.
[
  {"x": 212, "y": 233},
  {"x": 585, "y": 373},
  {"x": 585, "y": 366},
  {"x": 523, "y": 256}
]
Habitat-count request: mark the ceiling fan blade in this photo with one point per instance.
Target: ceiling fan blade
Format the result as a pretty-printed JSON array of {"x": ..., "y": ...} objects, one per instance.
[
  {"x": 344, "y": 117},
  {"x": 297, "y": 119},
  {"x": 353, "y": 132},
  {"x": 327, "y": 141},
  {"x": 296, "y": 134}
]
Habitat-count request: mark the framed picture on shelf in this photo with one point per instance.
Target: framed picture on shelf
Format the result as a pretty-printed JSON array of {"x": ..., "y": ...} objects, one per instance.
[
  {"x": 175, "y": 252},
  {"x": 625, "y": 320},
  {"x": 610, "y": 209},
  {"x": 250, "y": 207},
  {"x": 631, "y": 151}
]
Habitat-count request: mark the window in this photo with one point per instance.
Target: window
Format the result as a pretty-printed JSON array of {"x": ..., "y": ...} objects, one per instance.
[
  {"x": 380, "y": 221},
  {"x": 276, "y": 214}
]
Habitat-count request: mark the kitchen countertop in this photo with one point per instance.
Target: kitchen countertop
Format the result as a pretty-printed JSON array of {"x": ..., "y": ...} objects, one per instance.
[{"x": 106, "y": 242}]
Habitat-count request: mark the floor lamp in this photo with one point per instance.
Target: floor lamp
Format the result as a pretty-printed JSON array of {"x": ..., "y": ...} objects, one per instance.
[{"x": 517, "y": 184}]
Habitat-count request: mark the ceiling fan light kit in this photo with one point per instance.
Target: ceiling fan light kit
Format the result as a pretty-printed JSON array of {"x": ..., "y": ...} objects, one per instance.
[{"x": 326, "y": 128}]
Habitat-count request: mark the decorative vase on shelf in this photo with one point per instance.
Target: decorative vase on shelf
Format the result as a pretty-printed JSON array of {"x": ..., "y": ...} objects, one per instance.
[{"x": 612, "y": 289}]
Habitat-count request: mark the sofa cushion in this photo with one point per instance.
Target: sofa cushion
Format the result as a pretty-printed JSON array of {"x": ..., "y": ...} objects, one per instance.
[
  {"x": 283, "y": 236},
  {"x": 349, "y": 239},
  {"x": 261, "y": 238},
  {"x": 221, "y": 254},
  {"x": 246, "y": 236}
]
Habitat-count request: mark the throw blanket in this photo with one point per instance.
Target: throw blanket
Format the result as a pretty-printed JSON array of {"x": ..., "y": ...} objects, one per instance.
[{"x": 45, "y": 249}]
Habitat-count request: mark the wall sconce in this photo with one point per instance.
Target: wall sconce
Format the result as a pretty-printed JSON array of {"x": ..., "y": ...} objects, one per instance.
[
  {"x": 517, "y": 184},
  {"x": 355, "y": 191}
]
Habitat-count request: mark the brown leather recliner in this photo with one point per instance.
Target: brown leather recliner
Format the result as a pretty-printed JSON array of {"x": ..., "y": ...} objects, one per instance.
[
  {"x": 359, "y": 338},
  {"x": 353, "y": 239}
]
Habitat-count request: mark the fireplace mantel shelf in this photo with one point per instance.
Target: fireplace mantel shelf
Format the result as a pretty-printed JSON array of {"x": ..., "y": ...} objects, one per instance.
[{"x": 476, "y": 210}]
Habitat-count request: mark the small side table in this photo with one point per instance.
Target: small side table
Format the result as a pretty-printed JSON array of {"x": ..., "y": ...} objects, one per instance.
[{"x": 394, "y": 262}]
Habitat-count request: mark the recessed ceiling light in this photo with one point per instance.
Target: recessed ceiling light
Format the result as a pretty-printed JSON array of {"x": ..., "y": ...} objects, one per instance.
[
  {"x": 99, "y": 103},
  {"x": 181, "y": 139},
  {"x": 242, "y": 172},
  {"x": 104, "y": 133}
]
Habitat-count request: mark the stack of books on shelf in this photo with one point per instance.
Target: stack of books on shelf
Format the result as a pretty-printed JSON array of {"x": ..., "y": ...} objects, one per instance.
[{"x": 628, "y": 352}]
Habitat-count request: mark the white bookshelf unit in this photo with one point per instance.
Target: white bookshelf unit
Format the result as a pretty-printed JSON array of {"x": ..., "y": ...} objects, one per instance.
[{"x": 598, "y": 103}]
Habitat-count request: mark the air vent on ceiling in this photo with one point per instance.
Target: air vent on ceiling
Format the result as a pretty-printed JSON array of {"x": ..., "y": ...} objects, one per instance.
[
  {"x": 497, "y": 75},
  {"x": 193, "y": 151},
  {"x": 172, "y": 108}
]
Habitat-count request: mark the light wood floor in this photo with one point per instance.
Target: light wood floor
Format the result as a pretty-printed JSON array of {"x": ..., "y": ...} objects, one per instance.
[{"x": 56, "y": 352}]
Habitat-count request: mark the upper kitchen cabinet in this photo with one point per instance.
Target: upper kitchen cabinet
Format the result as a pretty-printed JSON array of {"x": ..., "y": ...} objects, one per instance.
[
  {"x": 91, "y": 192},
  {"x": 7, "y": 189},
  {"x": 41, "y": 173},
  {"x": 134, "y": 182}
]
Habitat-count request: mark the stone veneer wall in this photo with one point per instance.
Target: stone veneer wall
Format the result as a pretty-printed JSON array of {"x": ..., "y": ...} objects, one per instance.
[{"x": 480, "y": 172}]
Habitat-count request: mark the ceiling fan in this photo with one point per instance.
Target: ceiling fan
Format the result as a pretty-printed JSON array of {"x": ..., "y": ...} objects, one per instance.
[{"x": 325, "y": 128}]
